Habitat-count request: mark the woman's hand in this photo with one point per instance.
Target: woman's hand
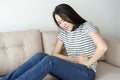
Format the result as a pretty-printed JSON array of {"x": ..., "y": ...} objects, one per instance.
[{"x": 82, "y": 59}]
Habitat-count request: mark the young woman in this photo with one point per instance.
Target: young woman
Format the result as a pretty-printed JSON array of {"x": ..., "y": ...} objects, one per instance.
[{"x": 84, "y": 47}]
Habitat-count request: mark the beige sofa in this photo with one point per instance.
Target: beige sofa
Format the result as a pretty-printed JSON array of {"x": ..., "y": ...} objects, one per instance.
[{"x": 17, "y": 47}]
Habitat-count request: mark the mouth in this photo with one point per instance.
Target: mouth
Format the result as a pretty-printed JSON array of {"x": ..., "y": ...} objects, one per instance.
[{"x": 66, "y": 27}]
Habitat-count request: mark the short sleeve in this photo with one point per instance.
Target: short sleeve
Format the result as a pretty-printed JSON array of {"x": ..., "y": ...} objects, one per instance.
[
  {"x": 89, "y": 28},
  {"x": 61, "y": 36}
]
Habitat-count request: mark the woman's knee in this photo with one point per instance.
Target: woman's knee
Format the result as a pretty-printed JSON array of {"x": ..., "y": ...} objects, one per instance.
[
  {"x": 40, "y": 54},
  {"x": 48, "y": 58}
]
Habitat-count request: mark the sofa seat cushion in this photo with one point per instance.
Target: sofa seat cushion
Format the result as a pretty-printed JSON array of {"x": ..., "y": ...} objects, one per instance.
[
  {"x": 47, "y": 77},
  {"x": 50, "y": 77},
  {"x": 106, "y": 71}
]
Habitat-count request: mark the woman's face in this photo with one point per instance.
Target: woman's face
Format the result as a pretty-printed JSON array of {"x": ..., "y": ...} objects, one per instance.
[{"x": 63, "y": 24}]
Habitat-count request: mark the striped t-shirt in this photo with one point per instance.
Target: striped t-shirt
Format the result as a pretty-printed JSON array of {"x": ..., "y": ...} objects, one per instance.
[{"x": 79, "y": 41}]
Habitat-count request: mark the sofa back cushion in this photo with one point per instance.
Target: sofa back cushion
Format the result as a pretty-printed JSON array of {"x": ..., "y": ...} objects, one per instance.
[
  {"x": 113, "y": 53},
  {"x": 16, "y": 47},
  {"x": 49, "y": 39}
]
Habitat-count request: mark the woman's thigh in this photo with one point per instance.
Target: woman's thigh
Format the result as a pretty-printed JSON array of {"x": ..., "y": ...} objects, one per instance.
[
  {"x": 66, "y": 70},
  {"x": 25, "y": 67}
]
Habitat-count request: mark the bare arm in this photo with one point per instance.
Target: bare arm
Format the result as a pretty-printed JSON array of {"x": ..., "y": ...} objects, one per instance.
[
  {"x": 57, "y": 51},
  {"x": 101, "y": 48}
]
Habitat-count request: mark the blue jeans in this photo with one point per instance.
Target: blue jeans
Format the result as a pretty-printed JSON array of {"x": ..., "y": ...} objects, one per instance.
[{"x": 39, "y": 65}]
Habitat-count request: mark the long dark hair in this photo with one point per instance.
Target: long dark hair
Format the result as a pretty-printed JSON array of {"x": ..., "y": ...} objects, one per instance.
[{"x": 68, "y": 14}]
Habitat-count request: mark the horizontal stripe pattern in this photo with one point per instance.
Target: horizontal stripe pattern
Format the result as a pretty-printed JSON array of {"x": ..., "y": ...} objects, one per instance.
[{"x": 79, "y": 41}]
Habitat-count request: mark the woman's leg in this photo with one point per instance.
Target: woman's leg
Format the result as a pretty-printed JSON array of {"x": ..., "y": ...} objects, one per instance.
[
  {"x": 65, "y": 70},
  {"x": 24, "y": 67},
  {"x": 38, "y": 71}
]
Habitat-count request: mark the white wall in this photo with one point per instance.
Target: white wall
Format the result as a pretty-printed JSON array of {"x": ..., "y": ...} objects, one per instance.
[{"x": 28, "y": 14}]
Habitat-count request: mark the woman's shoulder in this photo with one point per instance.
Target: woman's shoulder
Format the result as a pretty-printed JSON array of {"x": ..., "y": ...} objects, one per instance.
[
  {"x": 63, "y": 32},
  {"x": 89, "y": 25},
  {"x": 89, "y": 28}
]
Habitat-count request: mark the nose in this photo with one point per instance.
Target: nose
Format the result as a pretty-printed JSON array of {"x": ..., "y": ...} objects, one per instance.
[{"x": 63, "y": 24}]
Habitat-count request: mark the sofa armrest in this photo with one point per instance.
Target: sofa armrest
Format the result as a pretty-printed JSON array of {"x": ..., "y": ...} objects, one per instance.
[{"x": 113, "y": 53}]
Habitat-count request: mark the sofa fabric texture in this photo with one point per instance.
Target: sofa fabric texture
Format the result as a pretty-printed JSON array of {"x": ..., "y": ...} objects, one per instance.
[{"x": 18, "y": 46}]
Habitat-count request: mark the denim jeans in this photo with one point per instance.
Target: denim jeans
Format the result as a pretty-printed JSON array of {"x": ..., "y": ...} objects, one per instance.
[{"x": 39, "y": 65}]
